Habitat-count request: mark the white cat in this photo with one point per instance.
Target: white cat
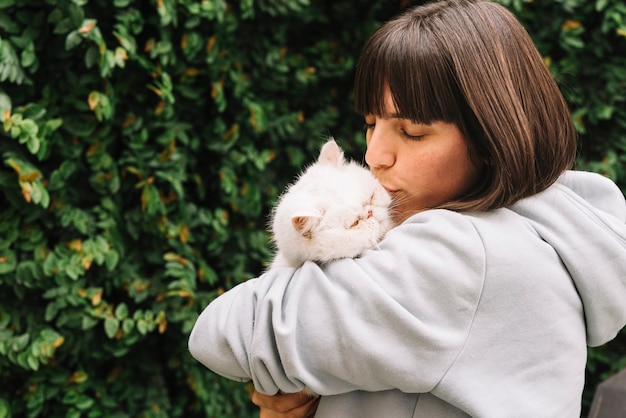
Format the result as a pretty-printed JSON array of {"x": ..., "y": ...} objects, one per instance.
[{"x": 335, "y": 209}]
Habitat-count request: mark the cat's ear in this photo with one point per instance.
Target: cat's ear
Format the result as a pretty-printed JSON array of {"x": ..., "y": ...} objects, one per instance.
[
  {"x": 304, "y": 222},
  {"x": 331, "y": 154}
]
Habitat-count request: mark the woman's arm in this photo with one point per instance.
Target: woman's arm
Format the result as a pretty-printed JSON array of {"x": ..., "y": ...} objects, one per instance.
[{"x": 396, "y": 318}]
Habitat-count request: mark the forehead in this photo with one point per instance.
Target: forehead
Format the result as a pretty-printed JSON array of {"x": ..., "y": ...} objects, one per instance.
[{"x": 390, "y": 108}]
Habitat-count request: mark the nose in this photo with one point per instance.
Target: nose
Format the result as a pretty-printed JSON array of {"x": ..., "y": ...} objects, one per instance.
[{"x": 379, "y": 154}]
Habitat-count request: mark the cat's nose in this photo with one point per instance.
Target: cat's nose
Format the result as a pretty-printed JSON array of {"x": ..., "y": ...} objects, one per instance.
[{"x": 370, "y": 213}]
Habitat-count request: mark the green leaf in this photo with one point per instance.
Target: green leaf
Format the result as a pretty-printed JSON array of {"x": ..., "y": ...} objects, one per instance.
[
  {"x": 19, "y": 343},
  {"x": 3, "y": 5},
  {"x": 33, "y": 363},
  {"x": 51, "y": 311},
  {"x": 127, "y": 325},
  {"x": 8, "y": 238},
  {"x": 88, "y": 322},
  {"x": 72, "y": 40},
  {"x": 605, "y": 112},
  {"x": 84, "y": 403},
  {"x": 28, "y": 57},
  {"x": 5, "y": 407},
  {"x": 33, "y": 112},
  {"x": 111, "y": 325},
  {"x": 111, "y": 259},
  {"x": 10, "y": 68},
  {"x": 92, "y": 56},
  {"x": 121, "y": 311},
  {"x": 143, "y": 327},
  {"x": 5, "y": 104},
  {"x": 601, "y": 5},
  {"x": 8, "y": 261}
]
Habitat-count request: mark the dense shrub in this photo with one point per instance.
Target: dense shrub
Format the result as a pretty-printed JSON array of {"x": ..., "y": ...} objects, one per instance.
[{"x": 143, "y": 144}]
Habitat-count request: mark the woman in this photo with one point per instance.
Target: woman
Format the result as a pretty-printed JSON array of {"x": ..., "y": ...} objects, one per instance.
[{"x": 503, "y": 267}]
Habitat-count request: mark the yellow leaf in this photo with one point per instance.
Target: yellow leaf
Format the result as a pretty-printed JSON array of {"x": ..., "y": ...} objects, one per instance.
[
  {"x": 93, "y": 99},
  {"x": 129, "y": 121},
  {"x": 231, "y": 133},
  {"x": 162, "y": 327},
  {"x": 96, "y": 298},
  {"x": 26, "y": 189},
  {"x": 184, "y": 41},
  {"x": 78, "y": 376},
  {"x": 571, "y": 24},
  {"x": 15, "y": 166},
  {"x": 191, "y": 72},
  {"x": 76, "y": 245},
  {"x": 167, "y": 153},
  {"x": 59, "y": 342},
  {"x": 87, "y": 27},
  {"x": 210, "y": 43},
  {"x": 158, "y": 109},
  {"x": 86, "y": 262},
  {"x": 120, "y": 53},
  {"x": 156, "y": 90},
  {"x": 184, "y": 234},
  {"x": 32, "y": 176}
]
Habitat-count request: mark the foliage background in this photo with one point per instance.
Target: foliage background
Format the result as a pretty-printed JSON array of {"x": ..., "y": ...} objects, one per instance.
[{"x": 143, "y": 144}]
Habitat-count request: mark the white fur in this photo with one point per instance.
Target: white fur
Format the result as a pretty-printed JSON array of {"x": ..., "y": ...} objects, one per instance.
[{"x": 335, "y": 209}]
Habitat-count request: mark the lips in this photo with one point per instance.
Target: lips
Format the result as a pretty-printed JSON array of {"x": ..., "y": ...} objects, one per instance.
[{"x": 391, "y": 192}]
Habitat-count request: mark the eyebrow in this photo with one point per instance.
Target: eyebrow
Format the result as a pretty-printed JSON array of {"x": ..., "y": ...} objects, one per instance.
[{"x": 397, "y": 115}]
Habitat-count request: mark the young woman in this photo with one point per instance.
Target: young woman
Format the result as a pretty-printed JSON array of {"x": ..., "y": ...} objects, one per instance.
[{"x": 503, "y": 267}]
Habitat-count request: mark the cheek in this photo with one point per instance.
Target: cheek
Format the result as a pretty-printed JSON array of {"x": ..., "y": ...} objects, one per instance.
[
  {"x": 463, "y": 169},
  {"x": 449, "y": 172}
]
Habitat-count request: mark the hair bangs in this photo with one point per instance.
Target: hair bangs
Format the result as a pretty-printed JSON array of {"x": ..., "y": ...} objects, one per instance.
[
  {"x": 371, "y": 79},
  {"x": 416, "y": 73}
]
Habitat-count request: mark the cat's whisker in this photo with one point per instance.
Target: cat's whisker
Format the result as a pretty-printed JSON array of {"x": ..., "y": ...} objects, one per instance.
[{"x": 397, "y": 202}]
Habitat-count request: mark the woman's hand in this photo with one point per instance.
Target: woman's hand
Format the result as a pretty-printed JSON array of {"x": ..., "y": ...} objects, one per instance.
[{"x": 286, "y": 405}]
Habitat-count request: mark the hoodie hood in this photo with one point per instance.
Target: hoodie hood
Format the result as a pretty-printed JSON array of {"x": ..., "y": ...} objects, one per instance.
[{"x": 583, "y": 217}]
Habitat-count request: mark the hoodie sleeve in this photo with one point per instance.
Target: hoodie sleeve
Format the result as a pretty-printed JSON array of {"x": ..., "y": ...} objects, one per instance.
[{"x": 395, "y": 318}]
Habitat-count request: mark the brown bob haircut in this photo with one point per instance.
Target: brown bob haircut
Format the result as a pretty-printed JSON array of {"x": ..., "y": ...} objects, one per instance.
[{"x": 471, "y": 63}]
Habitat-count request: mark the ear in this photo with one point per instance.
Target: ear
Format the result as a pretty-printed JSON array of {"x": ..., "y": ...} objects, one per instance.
[
  {"x": 331, "y": 154},
  {"x": 305, "y": 222}
]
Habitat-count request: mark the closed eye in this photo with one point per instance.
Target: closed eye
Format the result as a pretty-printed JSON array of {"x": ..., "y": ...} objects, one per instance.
[{"x": 412, "y": 137}]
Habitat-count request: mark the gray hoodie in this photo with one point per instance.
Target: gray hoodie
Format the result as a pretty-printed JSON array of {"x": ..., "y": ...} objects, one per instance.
[{"x": 454, "y": 314}]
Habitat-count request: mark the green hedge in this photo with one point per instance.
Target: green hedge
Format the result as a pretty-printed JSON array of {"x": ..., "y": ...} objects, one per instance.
[{"x": 143, "y": 145}]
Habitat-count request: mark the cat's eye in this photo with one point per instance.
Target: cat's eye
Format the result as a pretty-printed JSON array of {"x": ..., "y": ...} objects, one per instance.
[{"x": 355, "y": 223}]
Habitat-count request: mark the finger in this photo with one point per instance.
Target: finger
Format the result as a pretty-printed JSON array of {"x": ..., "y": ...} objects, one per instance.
[
  {"x": 306, "y": 410},
  {"x": 282, "y": 402}
]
